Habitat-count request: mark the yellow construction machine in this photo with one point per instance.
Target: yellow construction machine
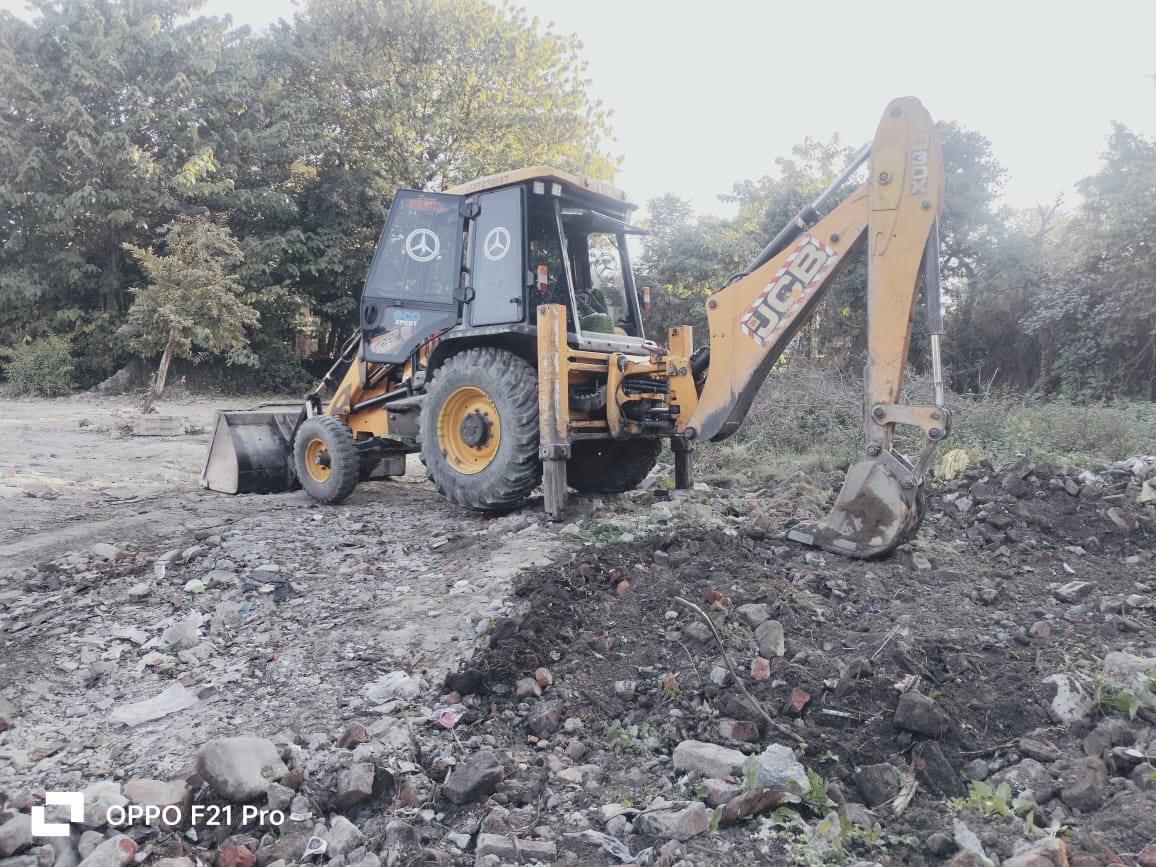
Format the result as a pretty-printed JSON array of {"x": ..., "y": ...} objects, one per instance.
[{"x": 501, "y": 338}]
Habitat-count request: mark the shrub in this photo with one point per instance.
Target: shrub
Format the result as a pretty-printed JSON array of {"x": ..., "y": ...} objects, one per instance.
[
  {"x": 809, "y": 417},
  {"x": 42, "y": 367}
]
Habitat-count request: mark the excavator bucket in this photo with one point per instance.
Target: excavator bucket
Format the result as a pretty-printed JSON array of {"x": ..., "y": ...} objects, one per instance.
[
  {"x": 251, "y": 451},
  {"x": 873, "y": 514}
]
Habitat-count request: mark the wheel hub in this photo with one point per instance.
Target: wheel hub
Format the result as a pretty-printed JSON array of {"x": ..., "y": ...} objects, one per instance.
[
  {"x": 469, "y": 429},
  {"x": 318, "y": 462},
  {"x": 475, "y": 429}
]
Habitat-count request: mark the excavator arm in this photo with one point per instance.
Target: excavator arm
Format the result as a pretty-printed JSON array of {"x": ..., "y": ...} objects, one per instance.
[{"x": 752, "y": 320}]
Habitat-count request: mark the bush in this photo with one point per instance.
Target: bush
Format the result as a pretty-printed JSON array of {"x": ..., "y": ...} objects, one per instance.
[
  {"x": 43, "y": 367},
  {"x": 278, "y": 371},
  {"x": 809, "y": 417},
  {"x": 804, "y": 417}
]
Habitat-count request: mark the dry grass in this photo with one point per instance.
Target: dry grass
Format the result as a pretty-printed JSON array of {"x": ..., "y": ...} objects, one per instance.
[{"x": 810, "y": 418}]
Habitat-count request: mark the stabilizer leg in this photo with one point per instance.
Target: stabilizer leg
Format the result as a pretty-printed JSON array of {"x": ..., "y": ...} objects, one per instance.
[
  {"x": 683, "y": 463},
  {"x": 554, "y": 488}
]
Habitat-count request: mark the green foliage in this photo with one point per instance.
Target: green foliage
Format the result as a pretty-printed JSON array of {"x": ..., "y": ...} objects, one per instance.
[
  {"x": 1127, "y": 697},
  {"x": 101, "y": 136},
  {"x": 985, "y": 800},
  {"x": 1097, "y": 329},
  {"x": 192, "y": 302},
  {"x": 750, "y": 773},
  {"x": 41, "y": 368},
  {"x": 1004, "y": 425},
  {"x": 121, "y": 117},
  {"x": 817, "y": 800},
  {"x": 604, "y": 533}
]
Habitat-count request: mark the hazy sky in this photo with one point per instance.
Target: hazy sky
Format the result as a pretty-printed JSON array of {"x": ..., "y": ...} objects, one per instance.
[{"x": 704, "y": 94}]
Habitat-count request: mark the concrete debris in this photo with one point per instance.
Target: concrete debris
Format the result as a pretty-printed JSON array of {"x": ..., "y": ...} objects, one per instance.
[
  {"x": 1072, "y": 702},
  {"x": 676, "y": 820},
  {"x": 777, "y": 767},
  {"x": 15, "y": 835},
  {"x": 173, "y": 700},
  {"x": 240, "y": 768},
  {"x": 364, "y": 644},
  {"x": 708, "y": 760},
  {"x": 114, "y": 852},
  {"x": 478, "y": 777}
]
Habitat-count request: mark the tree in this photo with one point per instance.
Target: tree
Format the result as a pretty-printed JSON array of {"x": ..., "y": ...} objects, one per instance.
[
  {"x": 1097, "y": 320},
  {"x": 192, "y": 304},
  {"x": 101, "y": 140},
  {"x": 418, "y": 95},
  {"x": 684, "y": 260}
]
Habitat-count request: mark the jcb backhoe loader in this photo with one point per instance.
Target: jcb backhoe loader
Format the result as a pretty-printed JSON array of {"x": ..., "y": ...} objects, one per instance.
[{"x": 501, "y": 337}]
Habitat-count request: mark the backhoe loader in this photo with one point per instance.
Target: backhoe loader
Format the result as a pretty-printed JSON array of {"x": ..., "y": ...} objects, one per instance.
[{"x": 501, "y": 338}]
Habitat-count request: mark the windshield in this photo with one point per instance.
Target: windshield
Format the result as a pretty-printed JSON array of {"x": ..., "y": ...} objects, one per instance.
[
  {"x": 419, "y": 255},
  {"x": 601, "y": 280}
]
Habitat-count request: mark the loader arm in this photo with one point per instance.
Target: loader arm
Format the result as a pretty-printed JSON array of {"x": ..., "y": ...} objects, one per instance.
[{"x": 753, "y": 319}]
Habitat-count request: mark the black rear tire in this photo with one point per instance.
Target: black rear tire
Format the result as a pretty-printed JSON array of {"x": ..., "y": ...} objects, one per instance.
[
  {"x": 326, "y": 458},
  {"x": 611, "y": 466},
  {"x": 479, "y": 430}
]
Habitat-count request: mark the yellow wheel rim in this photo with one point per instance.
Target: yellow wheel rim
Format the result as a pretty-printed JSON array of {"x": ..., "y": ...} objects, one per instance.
[
  {"x": 317, "y": 461},
  {"x": 469, "y": 431}
]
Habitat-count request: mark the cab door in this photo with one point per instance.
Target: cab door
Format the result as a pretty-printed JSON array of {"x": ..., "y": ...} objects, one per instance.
[
  {"x": 498, "y": 259},
  {"x": 412, "y": 288}
]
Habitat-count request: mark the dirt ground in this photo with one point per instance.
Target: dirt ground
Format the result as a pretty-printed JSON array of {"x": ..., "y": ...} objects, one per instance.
[
  {"x": 923, "y": 694},
  {"x": 71, "y": 475}
]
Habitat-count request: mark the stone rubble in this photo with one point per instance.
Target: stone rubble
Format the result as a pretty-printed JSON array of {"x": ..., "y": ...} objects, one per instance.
[{"x": 322, "y": 682}]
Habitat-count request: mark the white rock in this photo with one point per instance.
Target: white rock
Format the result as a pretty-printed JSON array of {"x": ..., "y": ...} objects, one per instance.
[
  {"x": 240, "y": 769},
  {"x": 677, "y": 820},
  {"x": 1072, "y": 702},
  {"x": 709, "y": 760},
  {"x": 15, "y": 834},
  {"x": 771, "y": 639},
  {"x": 343, "y": 836},
  {"x": 396, "y": 684},
  {"x": 777, "y": 766},
  {"x": 1135, "y": 672},
  {"x": 105, "y": 550},
  {"x": 113, "y": 852},
  {"x": 966, "y": 840},
  {"x": 175, "y": 698},
  {"x": 185, "y": 633},
  {"x": 98, "y": 798}
]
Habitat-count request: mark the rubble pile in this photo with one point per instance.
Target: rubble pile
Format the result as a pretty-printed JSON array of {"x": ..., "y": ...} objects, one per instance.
[{"x": 662, "y": 680}]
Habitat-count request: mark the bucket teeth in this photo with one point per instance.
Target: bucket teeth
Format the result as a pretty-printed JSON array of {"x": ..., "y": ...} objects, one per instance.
[{"x": 872, "y": 516}]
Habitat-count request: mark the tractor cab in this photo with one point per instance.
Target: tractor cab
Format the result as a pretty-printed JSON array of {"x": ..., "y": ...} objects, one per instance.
[{"x": 478, "y": 259}]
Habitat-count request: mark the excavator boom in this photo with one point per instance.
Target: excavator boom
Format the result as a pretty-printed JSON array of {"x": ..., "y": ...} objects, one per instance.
[{"x": 894, "y": 216}]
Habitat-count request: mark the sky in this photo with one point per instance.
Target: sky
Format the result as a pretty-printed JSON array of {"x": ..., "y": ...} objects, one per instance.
[{"x": 706, "y": 93}]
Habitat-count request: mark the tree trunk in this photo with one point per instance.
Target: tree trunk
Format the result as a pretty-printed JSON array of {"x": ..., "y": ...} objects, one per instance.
[{"x": 158, "y": 387}]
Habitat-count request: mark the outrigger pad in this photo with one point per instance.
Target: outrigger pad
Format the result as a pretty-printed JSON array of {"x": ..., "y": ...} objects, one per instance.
[
  {"x": 873, "y": 515},
  {"x": 251, "y": 451}
]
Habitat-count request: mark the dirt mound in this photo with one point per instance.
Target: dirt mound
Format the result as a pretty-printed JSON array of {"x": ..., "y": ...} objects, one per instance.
[{"x": 919, "y": 674}]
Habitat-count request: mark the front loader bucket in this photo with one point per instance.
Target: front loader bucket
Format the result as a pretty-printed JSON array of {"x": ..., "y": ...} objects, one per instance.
[
  {"x": 251, "y": 451},
  {"x": 873, "y": 514}
]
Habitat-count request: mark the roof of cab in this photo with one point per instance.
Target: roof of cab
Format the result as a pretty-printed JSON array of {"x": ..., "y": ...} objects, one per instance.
[{"x": 545, "y": 173}]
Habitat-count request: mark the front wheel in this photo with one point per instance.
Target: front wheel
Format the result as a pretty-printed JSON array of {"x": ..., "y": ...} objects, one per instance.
[
  {"x": 479, "y": 430},
  {"x": 326, "y": 459}
]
